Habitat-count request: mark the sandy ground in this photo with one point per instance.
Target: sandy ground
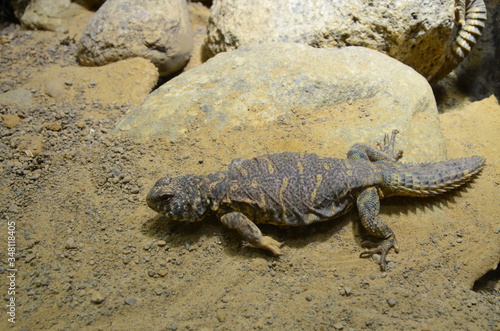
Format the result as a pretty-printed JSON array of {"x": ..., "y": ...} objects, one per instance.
[{"x": 91, "y": 255}]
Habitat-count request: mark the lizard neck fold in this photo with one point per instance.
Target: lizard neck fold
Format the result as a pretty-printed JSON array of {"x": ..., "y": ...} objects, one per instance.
[
  {"x": 427, "y": 179},
  {"x": 216, "y": 188}
]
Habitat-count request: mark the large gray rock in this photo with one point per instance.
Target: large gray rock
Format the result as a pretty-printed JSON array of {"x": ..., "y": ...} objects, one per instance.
[
  {"x": 293, "y": 93},
  {"x": 417, "y": 33},
  {"x": 158, "y": 30}
]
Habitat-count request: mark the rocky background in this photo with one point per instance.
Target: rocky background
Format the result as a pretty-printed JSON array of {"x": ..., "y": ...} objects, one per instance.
[{"x": 100, "y": 99}]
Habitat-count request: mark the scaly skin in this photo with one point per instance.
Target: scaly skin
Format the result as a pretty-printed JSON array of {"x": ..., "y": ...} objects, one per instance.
[
  {"x": 293, "y": 189},
  {"x": 470, "y": 17}
]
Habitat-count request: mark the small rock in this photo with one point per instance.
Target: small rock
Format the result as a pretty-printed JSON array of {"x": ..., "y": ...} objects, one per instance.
[
  {"x": 50, "y": 15},
  {"x": 29, "y": 258},
  {"x": 376, "y": 258},
  {"x": 338, "y": 326},
  {"x": 71, "y": 243},
  {"x": 97, "y": 297},
  {"x": 134, "y": 190},
  {"x": 130, "y": 301},
  {"x": 392, "y": 302},
  {"x": 127, "y": 178},
  {"x": 161, "y": 243},
  {"x": 31, "y": 145},
  {"x": 309, "y": 297},
  {"x": 53, "y": 126},
  {"x": 10, "y": 121},
  {"x": 391, "y": 265},
  {"x": 55, "y": 87}
]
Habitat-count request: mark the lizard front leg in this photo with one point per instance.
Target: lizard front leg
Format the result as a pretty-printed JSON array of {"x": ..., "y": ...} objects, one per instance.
[
  {"x": 250, "y": 232},
  {"x": 368, "y": 204}
]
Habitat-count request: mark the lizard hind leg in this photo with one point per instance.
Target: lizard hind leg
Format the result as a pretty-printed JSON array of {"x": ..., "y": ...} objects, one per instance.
[
  {"x": 368, "y": 204},
  {"x": 250, "y": 232}
]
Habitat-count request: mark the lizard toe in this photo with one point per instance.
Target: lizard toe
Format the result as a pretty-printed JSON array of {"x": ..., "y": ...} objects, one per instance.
[
  {"x": 270, "y": 244},
  {"x": 383, "y": 248}
]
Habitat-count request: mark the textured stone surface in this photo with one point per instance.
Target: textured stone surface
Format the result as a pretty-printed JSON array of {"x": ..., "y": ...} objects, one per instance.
[
  {"x": 158, "y": 30},
  {"x": 415, "y": 32},
  {"x": 49, "y": 14},
  {"x": 334, "y": 96},
  {"x": 17, "y": 98}
]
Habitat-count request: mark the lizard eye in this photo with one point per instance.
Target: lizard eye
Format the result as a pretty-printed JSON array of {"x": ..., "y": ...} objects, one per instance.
[{"x": 166, "y": 198}]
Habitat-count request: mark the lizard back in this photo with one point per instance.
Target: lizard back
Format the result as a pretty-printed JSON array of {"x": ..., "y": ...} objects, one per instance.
[{"x": 295, "y": 188}]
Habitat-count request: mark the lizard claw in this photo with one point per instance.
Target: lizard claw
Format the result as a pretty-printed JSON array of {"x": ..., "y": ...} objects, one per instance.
[
  {"x": 270, "y": 244},
  {"x": 387, "y": 146},
  {"x": 382, "y": 249}
]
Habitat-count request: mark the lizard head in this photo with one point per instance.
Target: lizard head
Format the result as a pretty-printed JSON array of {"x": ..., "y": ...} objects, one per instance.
[{"x": 179, "y": 198}]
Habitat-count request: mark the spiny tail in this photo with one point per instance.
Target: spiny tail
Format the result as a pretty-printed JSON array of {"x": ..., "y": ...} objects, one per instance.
[
  {"x": 472, "y": 19},
  {"x": 427, "y": 179}
]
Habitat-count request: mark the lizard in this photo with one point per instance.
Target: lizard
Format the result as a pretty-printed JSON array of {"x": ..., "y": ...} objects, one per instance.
[{"x": 293, "y": 189}]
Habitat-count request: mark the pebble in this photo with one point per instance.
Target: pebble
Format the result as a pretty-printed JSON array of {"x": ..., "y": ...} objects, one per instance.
[
  {"x": 10, "y": 121},
  {"x": 130, "y": 301},
  {"x": 392, "y": 302},
  {"x": 97, "y": 297},
  {"x": 29, "y": 258},
  {"x": 135, "y": 190},
  {"x": 338, "y": 326},
  {"x": 55, "y": 88},
  {"x": 53, "y": 126},
  {"x": 345, "y": 291},
  {"x": 376, "y": 258},
  {"x": 126, "y": 179},
  {"x": 71, "y": 243},
  {"x": 309, "y": 297}
]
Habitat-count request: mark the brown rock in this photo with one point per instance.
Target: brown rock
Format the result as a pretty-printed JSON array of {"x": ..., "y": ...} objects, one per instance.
[
  {"x": 55, "y": 87},
  {"x": 31, "y": 145},
  {"x": 53, "y": 126},
  {"x": 97, "y": 297},
  {"x": 158, "y": 30},
  {"x": 10, "y": 121}
]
